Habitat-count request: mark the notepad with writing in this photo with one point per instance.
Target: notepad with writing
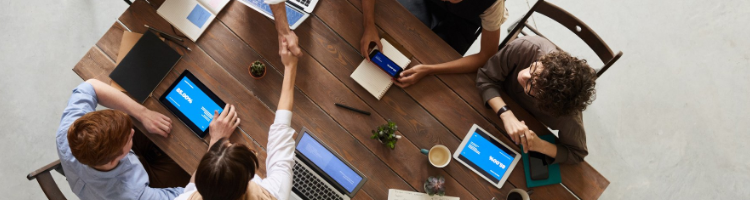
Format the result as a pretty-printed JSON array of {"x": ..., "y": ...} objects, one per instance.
[
  {"x": 191, "y": 17},
  {"x": 374, "y": 79}
]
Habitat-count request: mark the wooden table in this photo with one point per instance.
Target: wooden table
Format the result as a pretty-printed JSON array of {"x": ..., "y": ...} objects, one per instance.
[{"x": 437, "y": 110}]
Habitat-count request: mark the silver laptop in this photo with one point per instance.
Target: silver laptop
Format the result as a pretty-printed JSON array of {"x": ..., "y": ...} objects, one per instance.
[
  {"x": 305, "y": 5},
  {"x": 320, "y": 173}
]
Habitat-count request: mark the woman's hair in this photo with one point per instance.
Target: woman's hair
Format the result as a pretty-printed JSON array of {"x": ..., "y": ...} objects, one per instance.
[
  {"x": 565, "y": 86},
  {"x": 99, "y": 137},
  {"x": 224, "y": 172}
]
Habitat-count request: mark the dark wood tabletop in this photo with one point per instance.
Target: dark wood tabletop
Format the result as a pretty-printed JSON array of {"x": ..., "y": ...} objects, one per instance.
[{"x": 437, "y": 110}]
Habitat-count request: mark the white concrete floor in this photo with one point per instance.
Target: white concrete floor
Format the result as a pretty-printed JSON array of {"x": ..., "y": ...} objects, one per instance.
[{"x": 668, "y": 122}]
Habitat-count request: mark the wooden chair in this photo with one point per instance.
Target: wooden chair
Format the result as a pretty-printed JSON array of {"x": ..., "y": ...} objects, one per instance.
[
  {"x": 44, "y": 178},
  {"x": 573, "y": 24}
]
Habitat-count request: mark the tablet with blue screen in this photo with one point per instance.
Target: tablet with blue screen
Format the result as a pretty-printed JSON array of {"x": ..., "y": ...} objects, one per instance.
[
  {"x": 487, "y": 156},
  {"x": 192, "y": 103}
]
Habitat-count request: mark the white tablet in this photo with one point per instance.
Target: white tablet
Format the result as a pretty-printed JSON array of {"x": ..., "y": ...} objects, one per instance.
[{"x": 487, "y": 156}]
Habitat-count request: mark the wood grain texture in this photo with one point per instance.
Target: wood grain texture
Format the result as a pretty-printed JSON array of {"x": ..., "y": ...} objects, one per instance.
[
  {"x": 438, "y": 110},
  {"x": 325, "y": 90},
  {"x": 405, "y": 27}
]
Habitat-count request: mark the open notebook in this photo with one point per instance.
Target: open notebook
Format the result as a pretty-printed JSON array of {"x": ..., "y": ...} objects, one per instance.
[
  {"x": 374, "y": 79},
  {"x": 191, "y": 17}
]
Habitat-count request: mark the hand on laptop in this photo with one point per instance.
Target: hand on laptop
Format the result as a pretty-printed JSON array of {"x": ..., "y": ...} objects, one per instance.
[
  {"x": 368, "y": 37},
  {"x": 223, "y": 124},
  {"x": 155, "y": 122},
  {"x": 412, "y": 75}
]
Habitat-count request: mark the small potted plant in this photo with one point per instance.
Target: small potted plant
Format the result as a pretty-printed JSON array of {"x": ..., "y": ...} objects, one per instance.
[
  {"x": 386, "y": 134},
  {"x": 435, "y": 185},
  {"x": 257, "y": 70}
]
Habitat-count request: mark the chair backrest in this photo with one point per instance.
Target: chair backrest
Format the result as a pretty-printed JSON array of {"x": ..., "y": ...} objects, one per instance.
[
  {"x": 45, "y": 180},
  {"x": 573, "y": 24}
]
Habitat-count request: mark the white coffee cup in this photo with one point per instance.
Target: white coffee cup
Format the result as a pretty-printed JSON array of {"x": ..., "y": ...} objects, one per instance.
[
  {"x": 439, "y": 155},
  {"x": 518, "y": 193}
]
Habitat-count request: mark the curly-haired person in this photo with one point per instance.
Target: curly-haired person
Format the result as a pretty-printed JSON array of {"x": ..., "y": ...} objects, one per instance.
[{"x": 551, "y": 85}]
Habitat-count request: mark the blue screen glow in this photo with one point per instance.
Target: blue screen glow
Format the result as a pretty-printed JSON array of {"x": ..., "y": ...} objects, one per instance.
[
  {"x": 193, "y": 103},
  {"x": 386, "y": 64},
  {"x": 487, "y": 157},
  {"x": 329, "y": 163},
  {"x": 292, "y": 15}
]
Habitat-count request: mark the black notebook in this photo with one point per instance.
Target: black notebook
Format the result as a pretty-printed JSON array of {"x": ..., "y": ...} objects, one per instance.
[{"x": 145, "y": 66}]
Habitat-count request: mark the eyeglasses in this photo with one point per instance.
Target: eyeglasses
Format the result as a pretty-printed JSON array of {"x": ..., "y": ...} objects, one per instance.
[{"x": 530, "y": 82}]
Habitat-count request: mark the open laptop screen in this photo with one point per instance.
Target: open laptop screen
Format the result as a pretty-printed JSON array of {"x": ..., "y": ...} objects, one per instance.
[{"x": 328, "y": 162}]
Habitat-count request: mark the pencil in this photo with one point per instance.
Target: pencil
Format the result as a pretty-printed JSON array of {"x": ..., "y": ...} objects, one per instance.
[
  {"x": 162, "y": 32},
  {"x": 352, "y": 109},
  {"x": 175, "y": 41}
]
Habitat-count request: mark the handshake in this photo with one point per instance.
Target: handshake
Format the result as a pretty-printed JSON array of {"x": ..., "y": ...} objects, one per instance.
[{"x": 289, "y": 49}]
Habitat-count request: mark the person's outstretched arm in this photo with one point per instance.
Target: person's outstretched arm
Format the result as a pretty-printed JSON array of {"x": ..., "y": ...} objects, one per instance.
[
  {"x": 110, "y": 97},
  {"x": 290, "y": 73},
  {"x": 278, "y": 7},
  {"x": 280, "y": 149},
  {"x": 467, "y": 64}
]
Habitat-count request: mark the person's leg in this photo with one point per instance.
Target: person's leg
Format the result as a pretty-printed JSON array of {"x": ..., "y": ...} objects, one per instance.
[
  {"x": 419, "y": 9},
  {"x": 457, "y": 32},
  {"x": 162, "y": 171},
  {"x": 454, "y": 30}
]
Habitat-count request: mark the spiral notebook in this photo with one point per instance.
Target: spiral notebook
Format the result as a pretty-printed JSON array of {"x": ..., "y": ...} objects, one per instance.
[{"x": 374, "y": 79}]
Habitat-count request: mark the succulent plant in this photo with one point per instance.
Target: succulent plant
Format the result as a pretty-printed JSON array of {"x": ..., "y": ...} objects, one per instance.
[
  {"x": 435, "y": 185},
  {"x": 257, "y": 69},
  {"x": 386, "y": 134}
]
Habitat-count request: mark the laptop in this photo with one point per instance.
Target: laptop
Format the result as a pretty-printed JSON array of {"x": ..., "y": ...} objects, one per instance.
[
  {"x": 296, "y": 10},
  {"x": 304, "y": 5},
  {"x": 320, "y": 173}
]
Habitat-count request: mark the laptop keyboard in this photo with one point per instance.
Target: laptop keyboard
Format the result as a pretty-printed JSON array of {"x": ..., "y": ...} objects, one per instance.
[
  {"x": 310, "y": 186},
  {"x": 304, "y": 2}
]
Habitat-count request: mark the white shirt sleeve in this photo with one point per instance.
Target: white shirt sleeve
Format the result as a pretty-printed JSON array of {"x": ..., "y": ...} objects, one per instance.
[
  {"x": 494, "y": 16},
  {"x": 273, "y": 1},
  {"x": 280, "y": 158},
  {"x": 189, "y": 190}
]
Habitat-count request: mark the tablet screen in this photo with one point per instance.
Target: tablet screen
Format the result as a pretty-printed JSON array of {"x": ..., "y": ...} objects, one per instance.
[
  {"x": 193, "y": 103},
  {"x": 487, "y": 156}
]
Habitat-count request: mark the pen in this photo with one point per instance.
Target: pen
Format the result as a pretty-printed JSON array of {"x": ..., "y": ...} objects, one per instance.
[
  {"x": 175, "y": 41},
  {"x": 352, "y": 109},
  {"x": 162, "y": 32}
]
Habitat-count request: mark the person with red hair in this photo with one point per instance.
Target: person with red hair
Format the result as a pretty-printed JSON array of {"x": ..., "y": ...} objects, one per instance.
[{"x": 95, "y": 146}]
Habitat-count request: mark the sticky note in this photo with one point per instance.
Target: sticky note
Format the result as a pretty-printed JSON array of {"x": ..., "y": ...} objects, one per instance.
[
  {"x": 199, "y": 16},
  {"x": 215, "y": 3}
]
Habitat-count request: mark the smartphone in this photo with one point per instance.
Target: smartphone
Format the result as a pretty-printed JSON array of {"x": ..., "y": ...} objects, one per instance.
[
  {"x": 385, "y": 63},
  {"x": 538, "y": 166}
]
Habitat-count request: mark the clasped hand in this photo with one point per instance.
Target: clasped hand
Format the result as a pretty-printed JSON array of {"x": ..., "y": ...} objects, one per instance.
[{"x": 520, "y": 133}]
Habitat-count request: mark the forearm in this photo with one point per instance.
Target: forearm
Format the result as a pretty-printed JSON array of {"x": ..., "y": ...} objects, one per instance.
[
  {"x": 466, "y": 64},
  {"x": 287, "y": 89},
  {"x": 368, "y": 13},
  {"x": 279, "y": 15},
  {"x": 112, "y": 98},
  {"x": 548, "y": 149}
]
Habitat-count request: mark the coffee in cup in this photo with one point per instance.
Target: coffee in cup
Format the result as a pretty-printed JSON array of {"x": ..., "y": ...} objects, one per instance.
[
  {"x": 518, "y": 194},
  {"x": 439, "y": 155}
]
